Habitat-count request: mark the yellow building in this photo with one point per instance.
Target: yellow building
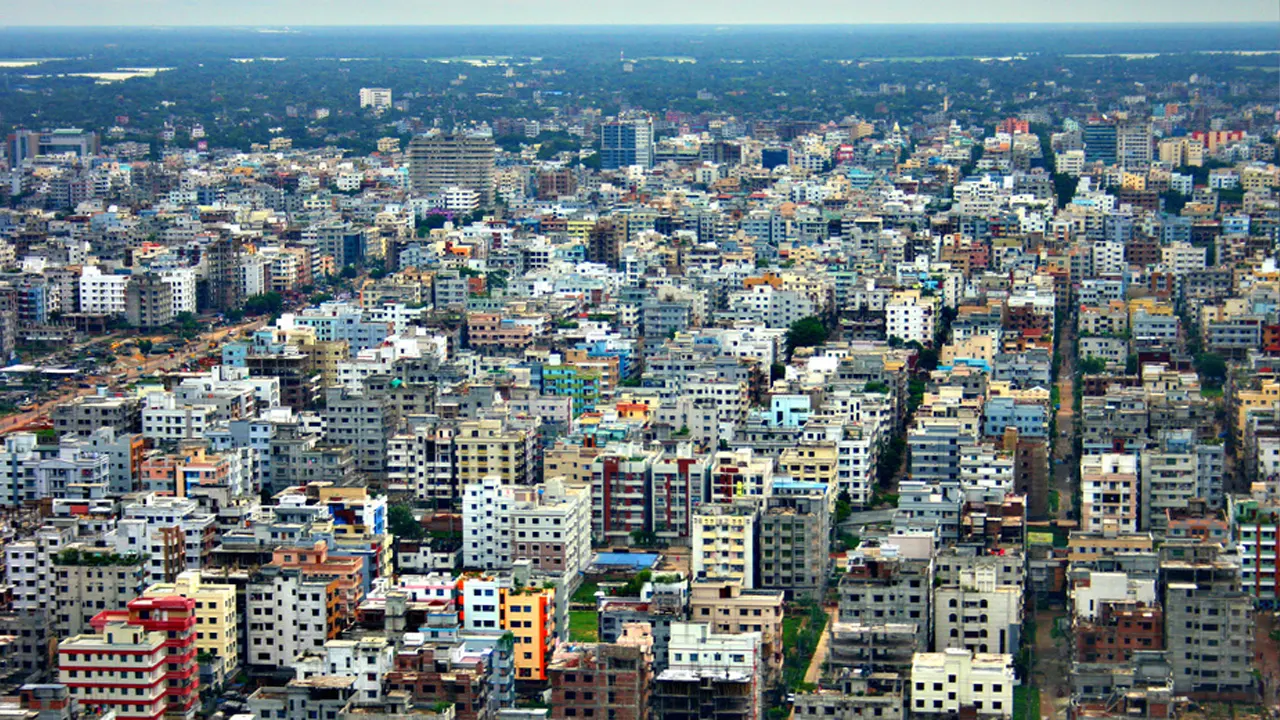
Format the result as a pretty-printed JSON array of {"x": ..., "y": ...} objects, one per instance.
[
  {"x": 724, "y": 543},
  {"x": 730, "y": 609},
  {"x": 485, "y": 448},
  {"x": 529, "y": 615},
  {"x": 217, "y": 620},
  {"x": 811, "y": 463},
  {"x": 1091, "y": 546},
  {"x": 1264, "y": 398}
]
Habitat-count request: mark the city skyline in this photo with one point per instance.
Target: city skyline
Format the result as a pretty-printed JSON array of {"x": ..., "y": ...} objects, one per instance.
[{"x": 197, "y": 13}]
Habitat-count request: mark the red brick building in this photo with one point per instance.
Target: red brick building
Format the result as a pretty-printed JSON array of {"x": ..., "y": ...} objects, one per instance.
[{"x": 604, "y": 680}]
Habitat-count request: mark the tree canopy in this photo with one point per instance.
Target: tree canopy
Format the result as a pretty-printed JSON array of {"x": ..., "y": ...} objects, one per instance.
[{"x": 807, "y": 332}]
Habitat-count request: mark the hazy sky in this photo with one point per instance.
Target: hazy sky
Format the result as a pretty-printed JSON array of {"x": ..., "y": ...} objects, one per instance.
[{"x": 588, "y": 12}]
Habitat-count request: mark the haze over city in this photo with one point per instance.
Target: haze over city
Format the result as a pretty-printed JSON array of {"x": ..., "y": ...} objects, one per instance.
[{"x": 598, "y": 361}]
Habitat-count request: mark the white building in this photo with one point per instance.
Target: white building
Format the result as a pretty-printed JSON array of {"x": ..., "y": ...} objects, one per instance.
[
  {"x": 978, "y": 614},
  {"x": 909, "y": 315},
  {"x": 1087, "y": 598},
  {"x": 286, "y": 615},
  {"x": 944, "y": 682},
  {"x": 102, "y": 294},
  {"x": 482, "y": 605},
  {"x": 164, "y": 419},
  {"x": 1182, "y": 257},
  {"x": 367, "y": 660},
  {"x": 486, "y": 524},
  {"x": 182, "y": 285},
  {"x": 551, "y": 526},
  {"x": 150, "y": 523},
  {"x": 376, "y": 98},
  {"x": 460, "y": 199},
  {"x": 694, "y": 647}
]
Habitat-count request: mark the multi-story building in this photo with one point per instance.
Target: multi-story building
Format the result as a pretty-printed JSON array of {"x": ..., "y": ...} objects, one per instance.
[
  {"x": 724, "y": 543},
  {"x": 288, "y": 613},
  {"x": 678, "y": 483},
  {"x": 624, "y": 143},
  {"x": 699, "y": 653},
  {"x": 364, "y": 422},
  {"x": 956, "y": 681},
  {"x": 217, "y": 616},
  {"x": 1208, "y": 621},
  {"x": 795, "y": 531},
  {"x": 437, "y": 162},
  {"x": 911, "y": 316},
  {"x": 883, "y": 587},
  {"x": 158, "y": 637},
  {"x": 551, "y": 527},
  {"x": 1110, "y": 493},
  {"x": 978, "y": 614},
  {"x": 529, "y": 615},
  {"x": 620, "y": 494},
  {"x": 89, "y": 581},
  {"x": 485, "y": 447},
  {"x": 613, "y": 680},
  {"x": 486, "y": 524},
  {"x": 730, "y": 609},
  {"x": 83, "y": 416}
]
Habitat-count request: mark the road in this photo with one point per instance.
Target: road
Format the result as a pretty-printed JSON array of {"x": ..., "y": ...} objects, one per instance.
[
  {"x": 126, "y": 371},
  {"x": 1063, "y": 451},
  {"x": 814, "y": 673},
  {"x": 1052, "y": 673}
]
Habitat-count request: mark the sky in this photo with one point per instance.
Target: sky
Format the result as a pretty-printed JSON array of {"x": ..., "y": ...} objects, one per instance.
[{"x": 607, "y": 12}]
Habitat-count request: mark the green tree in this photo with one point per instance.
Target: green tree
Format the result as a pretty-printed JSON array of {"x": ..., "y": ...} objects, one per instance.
[
  {"x": 144, "y": 346},
  {"x": 807, "y": 332},
  {"x": 1212, "y": 369},
  {"x": 403, "y": 524},
  {"x": 349, "y": 272},
  {"x": 1064, "y": 188},
  {"x": 844, "y": 507},
  {"x": 1093, "y": 366},
  {"x": 188, "y": 325},
  {"x": 777, "y": 371},
  {"x": 265, "y": 304}
]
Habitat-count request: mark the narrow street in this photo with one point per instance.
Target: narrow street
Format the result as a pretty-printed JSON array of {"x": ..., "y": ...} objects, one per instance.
[
  {"x": 814, "y": 673},
  {"x": 1063, "y": 452},
  {"x": 1052, "y": 667}
]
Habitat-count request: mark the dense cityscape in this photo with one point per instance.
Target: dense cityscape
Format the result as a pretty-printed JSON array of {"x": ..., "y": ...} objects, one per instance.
[{"x": 747, "y": 373}]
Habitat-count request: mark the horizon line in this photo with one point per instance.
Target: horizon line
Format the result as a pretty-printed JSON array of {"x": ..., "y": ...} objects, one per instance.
[{"x": 514, "y": 25}]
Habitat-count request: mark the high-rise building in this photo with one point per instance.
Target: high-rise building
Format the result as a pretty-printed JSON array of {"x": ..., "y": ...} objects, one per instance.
[
  {"x": 437, "y": 162},
  {"x": 624, "y": 143},
  {"x": 1134, "y": 143},
  {"x": 376, "y": 98},
  {"x": 1100, "y": 141}
]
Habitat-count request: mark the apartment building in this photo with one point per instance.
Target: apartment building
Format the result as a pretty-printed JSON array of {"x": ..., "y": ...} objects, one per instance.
[
  {"x": 90, "y": 580},
  {"x": 979, "y": 615},
  {"x": 912, "y": 316},
  {"x": 217, "y": 616},
  {"x": 613, "y": 680},
  {"x": 795, "y": 532},
  {"x": 287, "y": 613},
  {"x": 437, "y": 162},
  {"x": 1110, "y": 493},
  {"x": 957, "y": 681},
  {"x": 731, "y": 609},
  {"x": 485, "y": 447},
  {"x": 724, "y": 543}
]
